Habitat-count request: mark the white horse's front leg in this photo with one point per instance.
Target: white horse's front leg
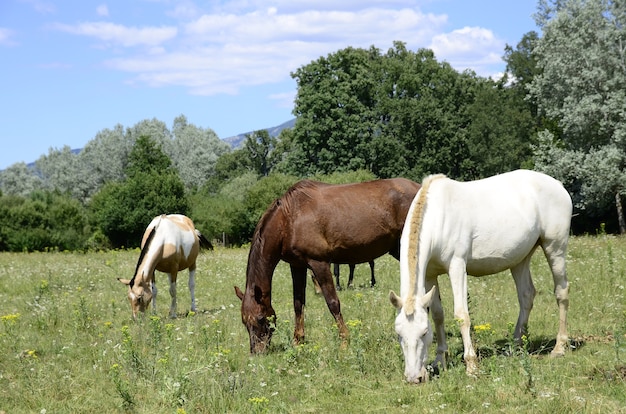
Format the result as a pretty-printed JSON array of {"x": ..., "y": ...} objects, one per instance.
[
  {"x": 173, "y": 295},
  {"x": 438, "y": 318},
  {"x": 154, "y": 296},
  {"x": 192, "y": 286},
  {"x": 458, "y": 279}
]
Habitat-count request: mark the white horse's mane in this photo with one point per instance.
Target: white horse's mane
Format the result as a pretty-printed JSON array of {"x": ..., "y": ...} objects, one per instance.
[{"x": 415, "y": 222}]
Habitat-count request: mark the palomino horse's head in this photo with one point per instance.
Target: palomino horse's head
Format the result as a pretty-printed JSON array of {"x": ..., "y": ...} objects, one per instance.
[
  {"x": 415, "y": 334},
  {"x": 258, "y": 316},
  {"x": 139, "y": 296}
]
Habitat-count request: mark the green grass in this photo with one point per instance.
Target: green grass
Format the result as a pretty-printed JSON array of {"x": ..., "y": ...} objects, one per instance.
[{"x": 67, "y": 343}]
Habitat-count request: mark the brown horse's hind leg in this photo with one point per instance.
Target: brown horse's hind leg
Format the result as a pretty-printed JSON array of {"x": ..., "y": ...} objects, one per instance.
[
  {"x": 325, "y": 280},
  {"x": 298, "y": 276}
]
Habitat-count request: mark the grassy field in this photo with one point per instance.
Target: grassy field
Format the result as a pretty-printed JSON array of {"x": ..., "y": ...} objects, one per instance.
[{"x": 67, "y": 344}]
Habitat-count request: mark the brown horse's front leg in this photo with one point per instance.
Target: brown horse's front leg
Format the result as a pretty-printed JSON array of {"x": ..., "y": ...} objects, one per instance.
[
  {"x": 298, "y": 276},
  {"x": 325, "y": 280}
]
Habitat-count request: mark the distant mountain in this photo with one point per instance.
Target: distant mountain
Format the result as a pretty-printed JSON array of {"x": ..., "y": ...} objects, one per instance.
[
  {"x": 234, "y": 142},
  {"x": 237, "y": 140}
]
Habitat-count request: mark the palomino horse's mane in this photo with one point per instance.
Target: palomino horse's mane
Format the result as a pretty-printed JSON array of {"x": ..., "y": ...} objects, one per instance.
[
  {"x": 144, "y": 251},
  {"x": 415, "y": 222}
]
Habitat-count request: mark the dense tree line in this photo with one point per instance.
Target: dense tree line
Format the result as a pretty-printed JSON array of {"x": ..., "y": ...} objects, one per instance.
[{"x": 360, "y": 114}]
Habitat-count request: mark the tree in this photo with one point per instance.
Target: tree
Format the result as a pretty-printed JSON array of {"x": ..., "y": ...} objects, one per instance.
[
  {"x": 18, "y": 179},
  {"x": 500, "y": 133},
  {"x": 60, "y": 169},
  {"x": 334, "y": 109},
  {"x": 104, "y": 159},
  {"x": 43, "y": 220},
  {"x": 582, "y": 84},
  {"x": 422, "y": 105},
  {"x": 404, "y": 113},
  {"x": 259, "y": 147},
  {"x": 579, "y": 172},
  {"x": 582, "y": 55},
  {"x": 194, "y": 152},
  {"x": 152, "y": 187}
]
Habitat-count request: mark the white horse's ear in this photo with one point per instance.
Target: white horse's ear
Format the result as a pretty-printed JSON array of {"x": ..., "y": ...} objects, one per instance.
[
  {"x": 428, "y": 298},
  {"x": 124, "y": 281},
  {"x": 395, "y": 300}
]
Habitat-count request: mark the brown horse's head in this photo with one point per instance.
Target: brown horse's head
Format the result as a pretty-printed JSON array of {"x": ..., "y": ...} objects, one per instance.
[
  {"x": 258, "y": 316},
  {"x": 139, "y": 296}
]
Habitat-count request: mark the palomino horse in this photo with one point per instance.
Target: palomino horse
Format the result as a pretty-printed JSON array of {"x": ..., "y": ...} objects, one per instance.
[
  {"x": 478, "y": 228},
  {"x": 170, "y": 244},
  {"x": 310, "y": 226},
  {"x": 351, "y": 277}
]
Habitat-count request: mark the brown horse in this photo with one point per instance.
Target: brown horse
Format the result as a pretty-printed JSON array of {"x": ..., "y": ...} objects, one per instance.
[{"x": 310, "y": 226}]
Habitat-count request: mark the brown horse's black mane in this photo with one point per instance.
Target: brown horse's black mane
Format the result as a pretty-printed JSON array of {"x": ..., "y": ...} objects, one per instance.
[{"x": 144, "y": 250}]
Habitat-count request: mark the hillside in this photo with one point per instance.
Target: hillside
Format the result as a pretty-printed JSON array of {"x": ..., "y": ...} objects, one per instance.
[
  {"x": 234, "y": 141},
  {"x": 237, "y": 140}
]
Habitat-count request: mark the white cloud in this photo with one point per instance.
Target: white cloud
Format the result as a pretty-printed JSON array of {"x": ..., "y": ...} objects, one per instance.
[
  {"x": 121, "y": 35},
  {"x": 241, "y": 43},
  {"x": 6, "y": 37},
  {"x": 41, "y": 6},
  {"x": 475, "y": 48},
  {"x": 284, "y": 100},
  {"x": 102, "y": 10}
]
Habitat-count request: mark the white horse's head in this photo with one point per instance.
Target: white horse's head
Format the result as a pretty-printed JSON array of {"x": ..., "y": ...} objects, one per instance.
[{"x": 415, "y": 334}]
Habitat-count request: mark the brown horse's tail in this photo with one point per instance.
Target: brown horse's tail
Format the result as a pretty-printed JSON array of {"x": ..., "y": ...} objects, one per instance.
[
  {"x": 415, "y": 222},
  {"x": 204, "y": 242}
]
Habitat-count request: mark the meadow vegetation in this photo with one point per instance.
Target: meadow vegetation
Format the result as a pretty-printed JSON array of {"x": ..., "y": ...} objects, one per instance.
[{"x": 67, "y": 342}]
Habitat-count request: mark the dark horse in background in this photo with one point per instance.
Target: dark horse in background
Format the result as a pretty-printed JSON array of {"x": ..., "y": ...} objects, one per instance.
[
  {"x": 336, "y": 272},
  {"x": 310, "y": 226}
]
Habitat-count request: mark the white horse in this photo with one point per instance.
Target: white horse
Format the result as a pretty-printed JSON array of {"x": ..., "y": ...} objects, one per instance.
[
  {"x": 478, "y": 228},
  {"x": 170, "y": 243}
]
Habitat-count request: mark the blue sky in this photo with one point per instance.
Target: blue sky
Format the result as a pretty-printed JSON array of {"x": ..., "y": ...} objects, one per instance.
[{"x": 72, "y": 68}]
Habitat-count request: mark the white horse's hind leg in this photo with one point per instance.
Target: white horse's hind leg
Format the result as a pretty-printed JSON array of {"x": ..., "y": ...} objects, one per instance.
[
  {"x": 525, "y": 294},
  {"x": 438, "y": 318},
  {"x": 192, "y": 286},
  {"x": 555, "y": 253},
  {"x": 173, "y": 295},
  {"x": 458, "y": 279}
]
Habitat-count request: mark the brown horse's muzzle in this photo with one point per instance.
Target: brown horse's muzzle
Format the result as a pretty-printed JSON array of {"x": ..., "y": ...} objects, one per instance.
[
  {"x": 259, "y": 345},
  {"x": 260, "y": 330},
  {"x": 260, "y": 336}
]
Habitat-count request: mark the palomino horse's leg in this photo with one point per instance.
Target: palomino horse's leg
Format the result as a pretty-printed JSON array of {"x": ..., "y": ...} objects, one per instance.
[
  {"x": 298, "y": 276},
  {"x": 172, "y": 277},
  {"x": 525, "y": 295},
  {"x": 154, "y": 295},
  {"x": 458, "y": 279},
  {"x": 555, "y": 253},
  {"x": 436, "y": 310},
  {"x": 325, "y": 279},
  {"x": 192, "y": 287}
]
